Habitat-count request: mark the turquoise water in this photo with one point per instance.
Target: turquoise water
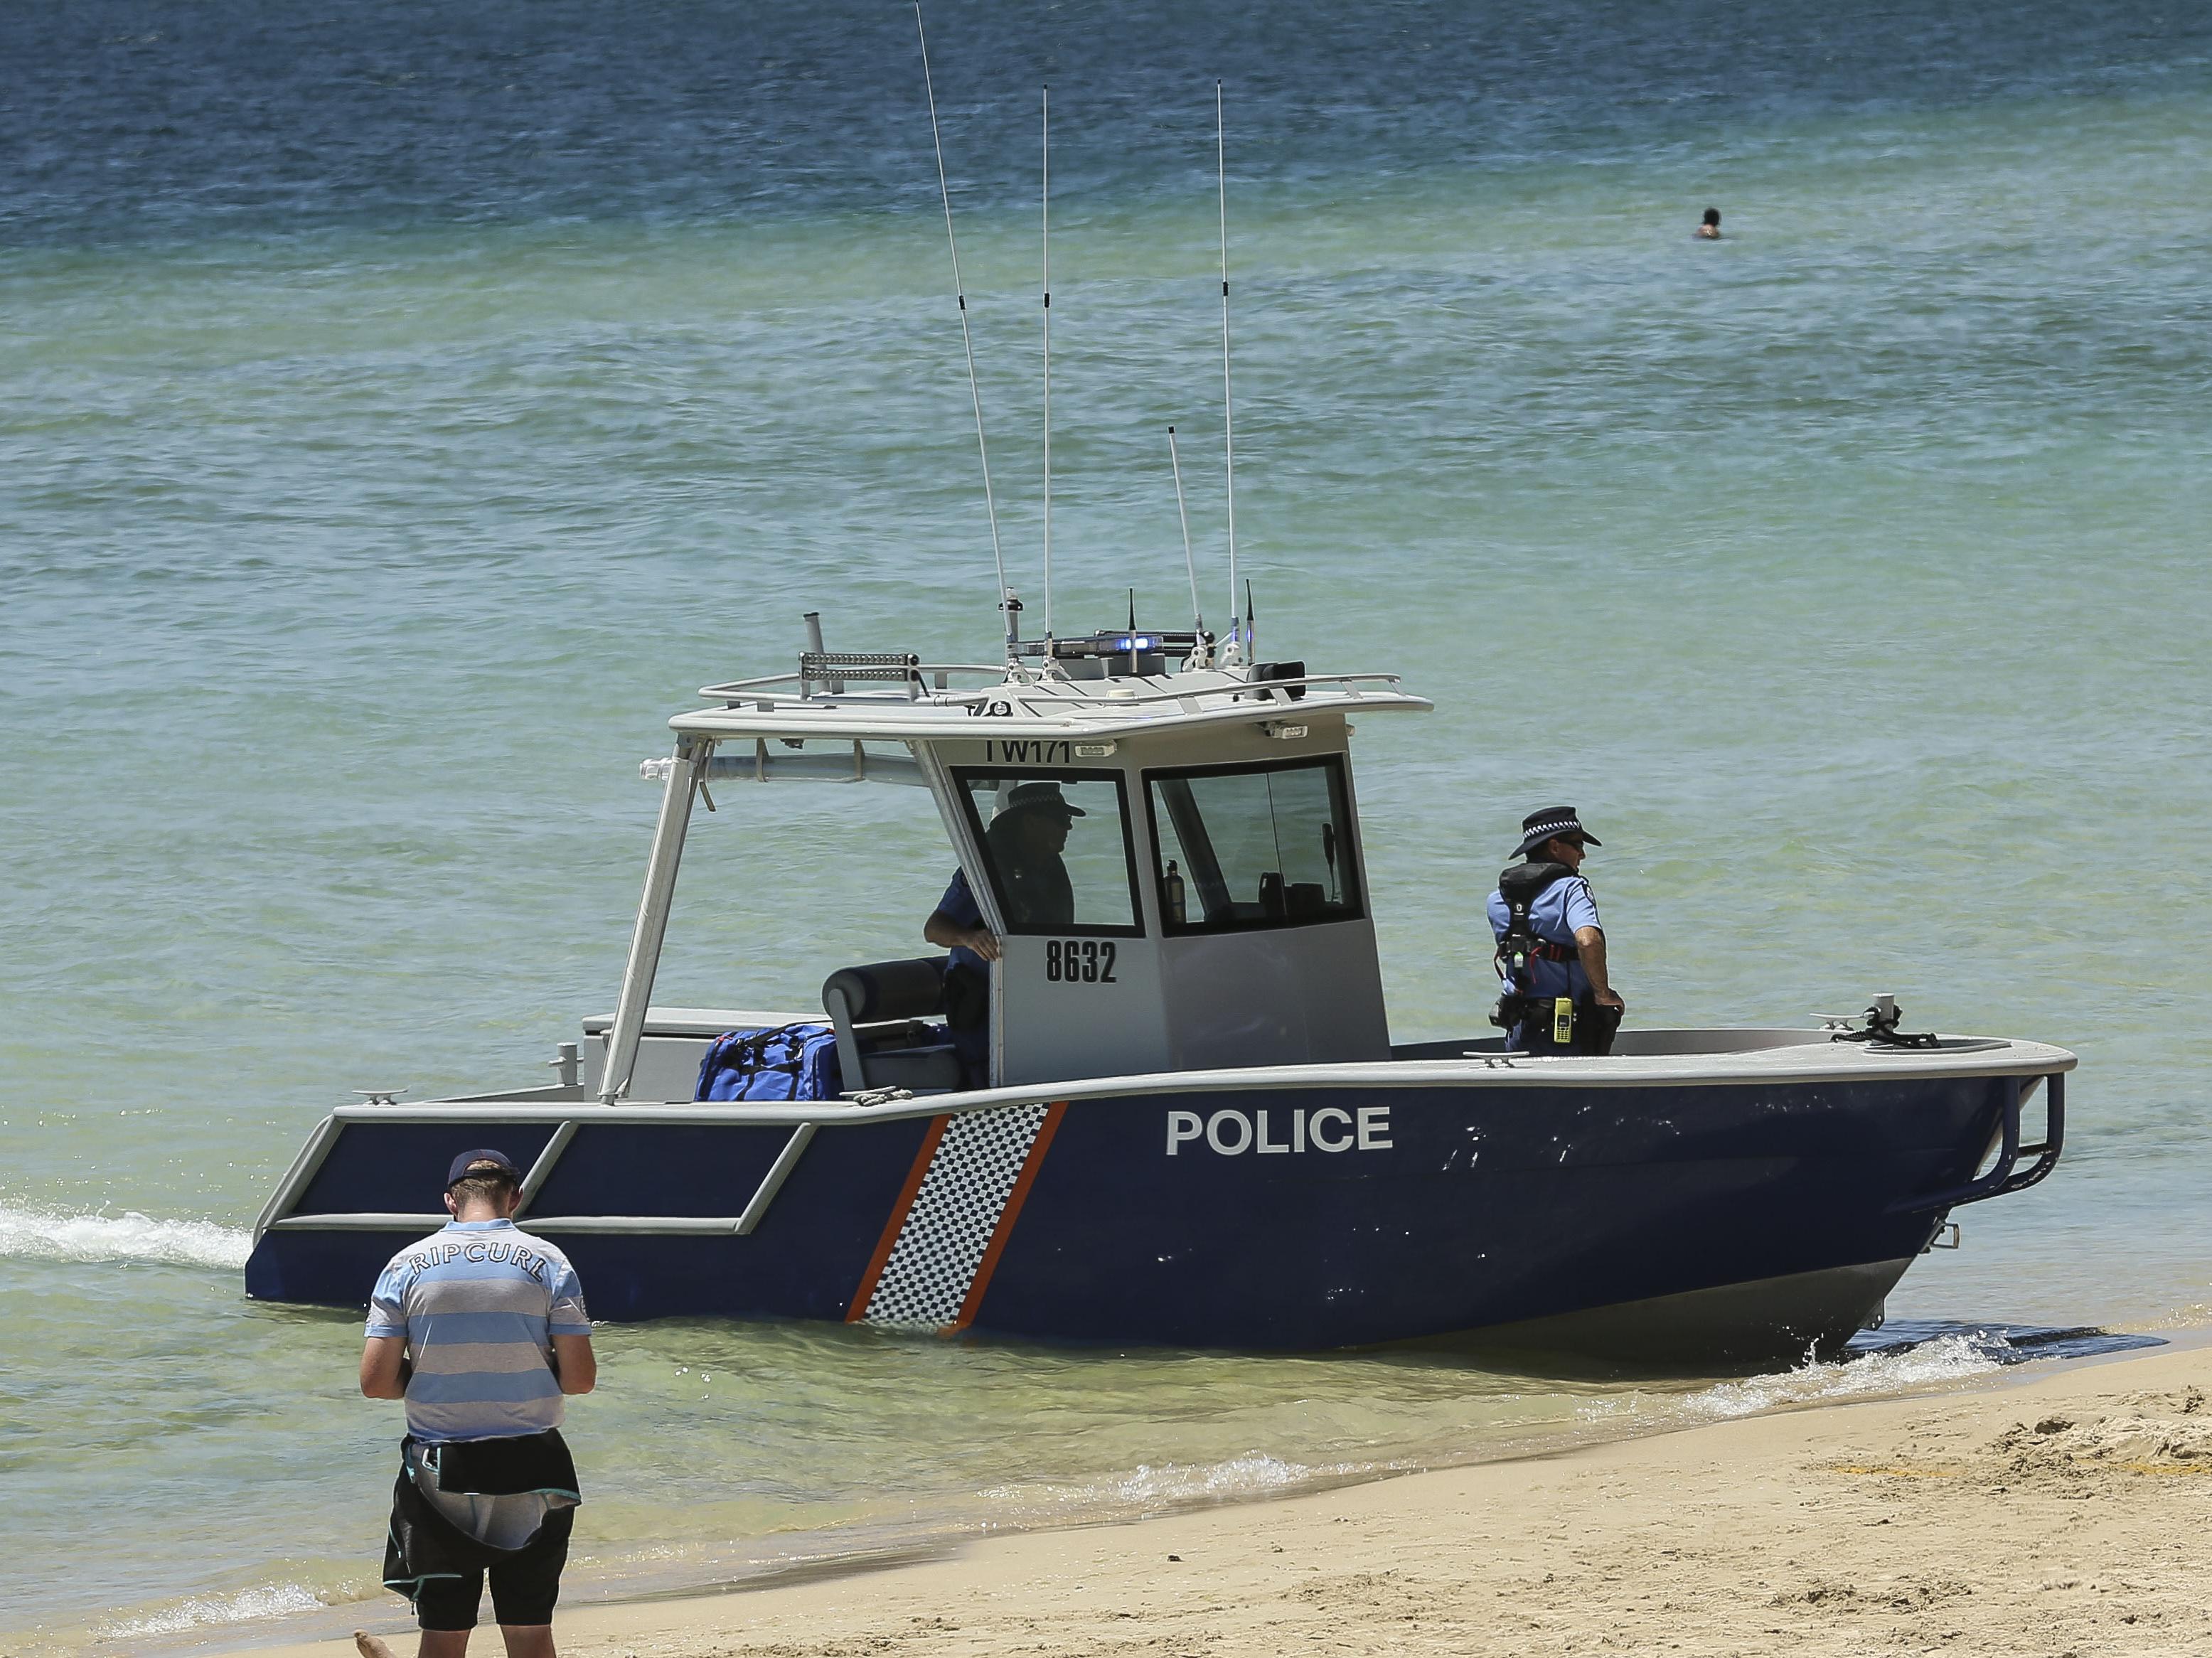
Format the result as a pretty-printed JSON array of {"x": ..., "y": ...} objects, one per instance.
[{"x": 404, "y": 410}]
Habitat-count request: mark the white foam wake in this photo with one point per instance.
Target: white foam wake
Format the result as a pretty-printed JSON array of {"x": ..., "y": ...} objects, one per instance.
[
  {"x": 1924, "y": 1364},
  {"x": 1946, "y": 1358},
  {"x": 201, "y": 1610},
  {"x": 1150, "y": 1487},
  {"x": 53, "y": 1235}
]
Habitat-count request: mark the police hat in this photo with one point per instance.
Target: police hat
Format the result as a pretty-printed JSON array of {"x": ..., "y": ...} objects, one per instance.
[
  {"x": 1549, "y": 824},
  {"x": 1040, "y": 797}
]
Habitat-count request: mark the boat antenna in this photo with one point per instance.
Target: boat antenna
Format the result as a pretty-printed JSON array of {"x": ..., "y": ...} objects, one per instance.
[
  {"x": 1251, "y": 631},
  {"x": 1006, "y": 607},
  {"x": 1047, "y": 198},
  {"x": 1228, "y": 417},
  {"x": 1189, "y": 563}
]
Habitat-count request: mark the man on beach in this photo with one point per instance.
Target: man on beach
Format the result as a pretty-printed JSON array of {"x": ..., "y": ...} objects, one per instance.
[{"x": 481, "y": 1328}]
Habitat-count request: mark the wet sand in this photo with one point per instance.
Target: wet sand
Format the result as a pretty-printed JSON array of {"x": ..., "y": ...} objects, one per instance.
[{"x": 2067, "y": 1514}]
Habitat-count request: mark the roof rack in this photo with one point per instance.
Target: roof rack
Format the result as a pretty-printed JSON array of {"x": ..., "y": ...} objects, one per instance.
[{"x": 831, "y": 669}]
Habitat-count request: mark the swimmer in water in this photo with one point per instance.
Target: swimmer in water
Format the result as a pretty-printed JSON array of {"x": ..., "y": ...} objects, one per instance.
[{"x": 1710, "y": 231}]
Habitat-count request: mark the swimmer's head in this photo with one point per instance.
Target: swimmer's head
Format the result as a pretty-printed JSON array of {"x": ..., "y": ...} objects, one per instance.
[{"x": 1713, "y": 217}]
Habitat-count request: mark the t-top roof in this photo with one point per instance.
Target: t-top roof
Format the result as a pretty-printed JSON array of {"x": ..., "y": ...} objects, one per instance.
[{"x": 901, "y": 699}]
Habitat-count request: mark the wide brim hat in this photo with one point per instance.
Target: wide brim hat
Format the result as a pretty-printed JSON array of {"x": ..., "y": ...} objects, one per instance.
[
  {"x": 1040, "y": 797},
  {"x": 1548, "y": 824}
]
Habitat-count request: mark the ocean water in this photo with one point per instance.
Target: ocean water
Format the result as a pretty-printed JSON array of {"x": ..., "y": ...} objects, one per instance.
[{"x": 404, "y": 407}]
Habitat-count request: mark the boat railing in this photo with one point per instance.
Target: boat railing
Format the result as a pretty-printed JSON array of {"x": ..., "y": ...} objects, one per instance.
[
  {"x": 2004, "y": 1176},
  {"x": 831, "y": 672},
  {"x": 1259, "y": 689}
]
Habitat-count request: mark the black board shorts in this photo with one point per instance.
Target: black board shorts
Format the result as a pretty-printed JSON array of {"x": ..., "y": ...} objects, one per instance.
[
  {"x": 525, "y": 1584},
  {"x": 442, "y": 1569}
]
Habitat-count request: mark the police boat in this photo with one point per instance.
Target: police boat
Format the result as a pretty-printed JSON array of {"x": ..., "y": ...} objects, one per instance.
[{"x": 1173, "y": 1112}]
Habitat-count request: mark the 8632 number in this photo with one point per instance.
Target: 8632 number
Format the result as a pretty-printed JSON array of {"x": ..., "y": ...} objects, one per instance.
[{"x": 1079, "y": 960}]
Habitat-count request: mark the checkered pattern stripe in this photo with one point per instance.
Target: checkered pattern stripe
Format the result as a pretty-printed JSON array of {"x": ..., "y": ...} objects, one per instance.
[{"x": 979, "y": 1159}]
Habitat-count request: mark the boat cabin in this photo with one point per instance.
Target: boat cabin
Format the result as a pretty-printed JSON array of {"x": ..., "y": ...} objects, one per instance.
[{"x": 1170, "y": 856}]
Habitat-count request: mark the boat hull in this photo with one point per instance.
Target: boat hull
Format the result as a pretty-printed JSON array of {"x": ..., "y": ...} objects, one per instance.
[{"x": 1271, "y": 1218}]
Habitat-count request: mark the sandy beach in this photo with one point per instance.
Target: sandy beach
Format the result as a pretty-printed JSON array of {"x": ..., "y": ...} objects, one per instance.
[{"x": 2069, "y": 1514}]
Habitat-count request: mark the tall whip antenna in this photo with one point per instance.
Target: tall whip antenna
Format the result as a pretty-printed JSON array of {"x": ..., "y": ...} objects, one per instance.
[
  {"x": 1189, "y": 563},
  {"x": 1047, "y": 363},
  {"x": 1227, "y": 416},
  {"x": 968, "y": 345}
]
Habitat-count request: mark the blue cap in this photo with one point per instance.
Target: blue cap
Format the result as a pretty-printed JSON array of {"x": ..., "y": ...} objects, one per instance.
[{"x": 502, "y": 1164}]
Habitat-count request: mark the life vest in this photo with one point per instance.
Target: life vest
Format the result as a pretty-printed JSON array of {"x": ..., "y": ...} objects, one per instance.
[
  {"x": 1520, "y": 887},
  {"x": 1578, "y": 1025}
]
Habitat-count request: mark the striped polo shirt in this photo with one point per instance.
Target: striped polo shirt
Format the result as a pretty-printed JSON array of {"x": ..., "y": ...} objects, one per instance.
[{"x": 479, "y": 1303}]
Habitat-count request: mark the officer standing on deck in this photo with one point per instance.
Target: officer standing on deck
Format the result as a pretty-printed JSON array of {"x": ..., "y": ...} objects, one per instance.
[{"x": 1551, "y": 949}]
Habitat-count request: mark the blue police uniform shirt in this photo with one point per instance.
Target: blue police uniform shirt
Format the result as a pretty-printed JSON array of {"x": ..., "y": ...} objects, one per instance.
[
  {"x": 959, "y": 906},
  {"x": 1559, "y": 909}
]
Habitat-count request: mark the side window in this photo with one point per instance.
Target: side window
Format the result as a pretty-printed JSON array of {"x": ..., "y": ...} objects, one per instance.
[
  {"x": 1057, "y": 846},
  {"x": 1253, "y": 847}
]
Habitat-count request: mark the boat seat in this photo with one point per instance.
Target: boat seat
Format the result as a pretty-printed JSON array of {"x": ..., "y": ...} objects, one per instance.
[{"x": 873, "y": 1010}]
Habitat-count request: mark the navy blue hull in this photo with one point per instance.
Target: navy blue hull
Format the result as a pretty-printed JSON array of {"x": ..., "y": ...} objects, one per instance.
[{"x": 1290, "y": 1219}]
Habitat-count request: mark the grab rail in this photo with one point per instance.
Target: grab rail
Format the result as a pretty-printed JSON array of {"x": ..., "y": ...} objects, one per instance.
[
  {"x": 2002, "y": 1180},
  {"x": 1051, "y": 693},
  {"x": 913, "y": 668},
  {"x": 1258, "y": 690},
  {"x": 740, "y": 1224}
]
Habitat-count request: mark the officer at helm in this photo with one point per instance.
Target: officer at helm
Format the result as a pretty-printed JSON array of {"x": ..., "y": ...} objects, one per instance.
[
  {"x": 1550, "y": 948},
  {"x": 1025, "y": 839}
]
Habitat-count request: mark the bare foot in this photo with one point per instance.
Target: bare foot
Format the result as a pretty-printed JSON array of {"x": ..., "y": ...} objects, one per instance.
[{"x": 370, "y": 1646}]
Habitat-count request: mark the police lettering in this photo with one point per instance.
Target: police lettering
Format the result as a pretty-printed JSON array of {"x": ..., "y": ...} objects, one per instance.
[{"x": 1231, "y": 1134}]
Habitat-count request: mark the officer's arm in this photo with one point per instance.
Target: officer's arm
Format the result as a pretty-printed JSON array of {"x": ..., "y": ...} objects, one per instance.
[
  {"x": 384, "y": 1368},
  {"x": 1589, "y": 943},
  {"x": 947, "y": 934},
  {"x": 574, "y": 1364}
]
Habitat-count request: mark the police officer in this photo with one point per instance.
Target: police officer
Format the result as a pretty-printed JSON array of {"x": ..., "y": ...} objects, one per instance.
[{"x": 1550, "y": 948}]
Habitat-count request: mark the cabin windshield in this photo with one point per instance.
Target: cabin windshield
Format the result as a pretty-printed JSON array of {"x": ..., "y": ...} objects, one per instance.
[
  {"x": 1057, "y": 847},
  {"x": 1245, "y": 847}
]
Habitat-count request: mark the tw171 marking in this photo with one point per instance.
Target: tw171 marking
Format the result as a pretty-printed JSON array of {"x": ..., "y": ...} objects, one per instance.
[
  {"x": 1332, "y": 1128},
  {"x": 1028, "y": 751}
]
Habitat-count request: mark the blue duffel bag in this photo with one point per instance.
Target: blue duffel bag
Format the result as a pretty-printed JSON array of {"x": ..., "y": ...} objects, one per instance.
[{"x": 787, "y": 1062}]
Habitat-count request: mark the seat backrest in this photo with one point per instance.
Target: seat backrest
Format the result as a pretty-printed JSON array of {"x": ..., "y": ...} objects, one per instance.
[
  {"x": 880, "y": 992},
  {"x": 889, "y": 990}
]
